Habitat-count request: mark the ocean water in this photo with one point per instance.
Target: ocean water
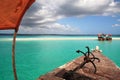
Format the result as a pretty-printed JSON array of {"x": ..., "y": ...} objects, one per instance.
[{"x": 37, "y": 55}]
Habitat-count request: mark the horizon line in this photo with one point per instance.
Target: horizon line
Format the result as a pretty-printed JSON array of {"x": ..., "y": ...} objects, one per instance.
[{"x": 57, "y": 34}]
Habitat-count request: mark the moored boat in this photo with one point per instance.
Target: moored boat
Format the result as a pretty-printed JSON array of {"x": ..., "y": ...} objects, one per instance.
[{"x": 103, "y": 37}]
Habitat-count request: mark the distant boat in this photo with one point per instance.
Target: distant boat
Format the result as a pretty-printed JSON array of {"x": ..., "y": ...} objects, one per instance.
[{"x": 103, "y": 37}]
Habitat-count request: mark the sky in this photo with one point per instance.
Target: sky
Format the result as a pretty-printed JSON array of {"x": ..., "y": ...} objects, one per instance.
[{"x": 71, "y": 17}]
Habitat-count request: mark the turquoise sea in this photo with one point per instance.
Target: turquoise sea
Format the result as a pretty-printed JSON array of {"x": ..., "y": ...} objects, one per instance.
[{"x": 37, "y": 55}]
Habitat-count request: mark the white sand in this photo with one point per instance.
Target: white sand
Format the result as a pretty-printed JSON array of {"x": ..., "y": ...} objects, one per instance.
[
  {"x": 36, "y": 39},
  {"x": 57, "y": 39}
]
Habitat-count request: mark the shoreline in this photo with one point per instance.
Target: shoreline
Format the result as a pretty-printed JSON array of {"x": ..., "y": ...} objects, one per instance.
[{"x": 36, "y": 39}]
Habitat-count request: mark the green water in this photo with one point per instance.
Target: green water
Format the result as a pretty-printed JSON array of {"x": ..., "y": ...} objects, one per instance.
[{"x": 35, "y": 58}]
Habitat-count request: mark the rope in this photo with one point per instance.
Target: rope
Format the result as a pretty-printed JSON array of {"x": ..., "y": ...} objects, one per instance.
[{"x": 13, "y": 55}]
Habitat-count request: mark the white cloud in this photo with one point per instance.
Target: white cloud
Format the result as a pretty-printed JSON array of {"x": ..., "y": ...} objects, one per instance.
[
  {"x": 50, "y": 29},
  {"x": 118, "y": 20},
  {"x": 42, "y": 16},
  {"x": 63, "y": 28},
  {"x": 116, "y": 25},
  {"x": 88, "y": 7}
]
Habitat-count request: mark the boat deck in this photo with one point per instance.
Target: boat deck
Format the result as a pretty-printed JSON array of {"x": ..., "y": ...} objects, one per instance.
[{"x": 106, "y": 70}]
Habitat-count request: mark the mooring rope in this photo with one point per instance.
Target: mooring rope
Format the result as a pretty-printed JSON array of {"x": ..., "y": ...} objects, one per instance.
[{"x": 13, "y": 55}]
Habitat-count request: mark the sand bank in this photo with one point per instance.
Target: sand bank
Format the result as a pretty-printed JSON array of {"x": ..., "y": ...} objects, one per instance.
[{"x": 37, "y": 39}]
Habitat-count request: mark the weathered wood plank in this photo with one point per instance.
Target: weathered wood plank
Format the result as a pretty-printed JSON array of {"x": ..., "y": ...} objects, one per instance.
[{"x": 106, "y": 70}]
